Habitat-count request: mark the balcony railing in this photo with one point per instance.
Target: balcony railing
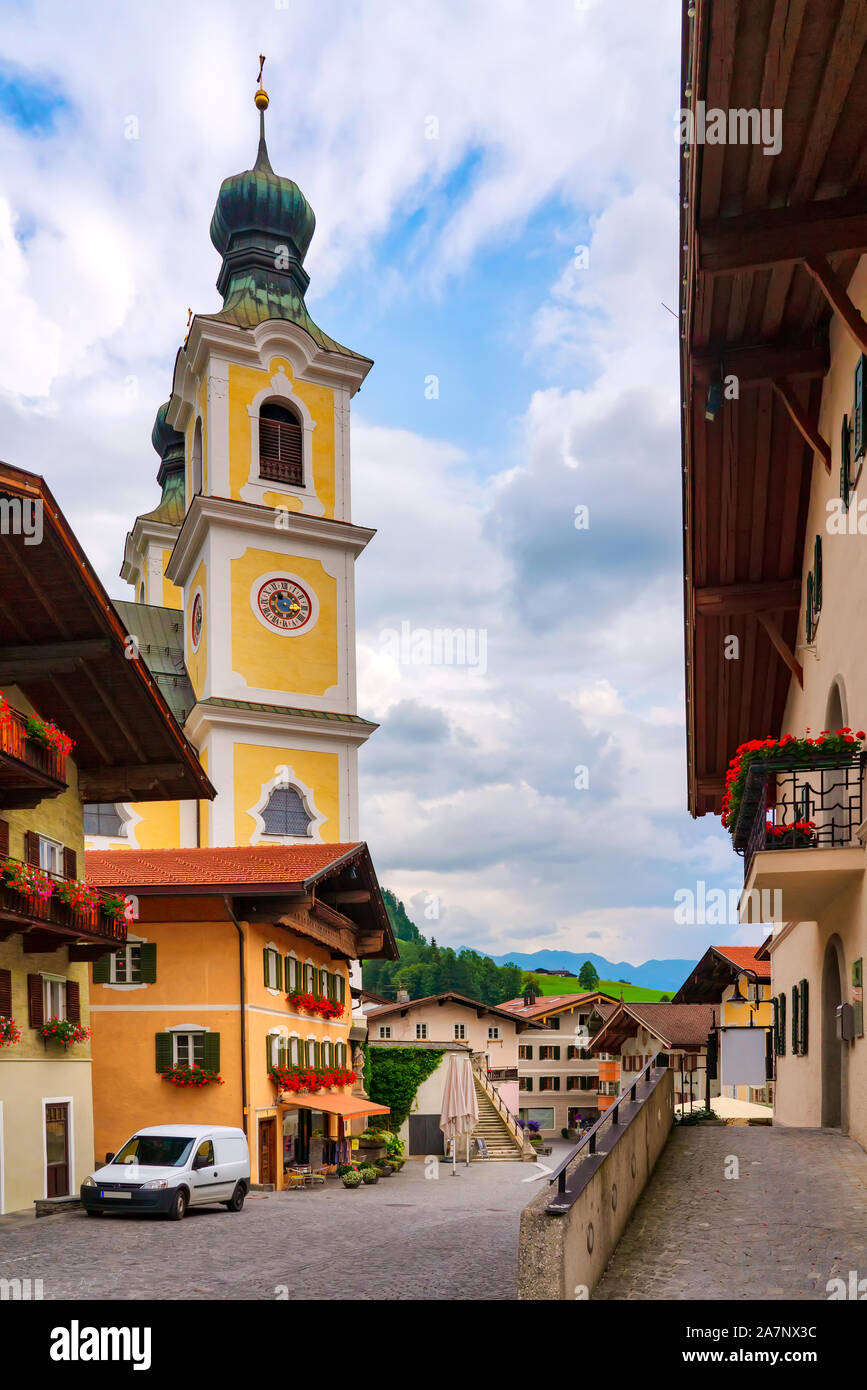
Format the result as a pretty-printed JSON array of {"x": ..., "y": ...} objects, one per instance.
[
  {"x": 502, "y": 1073},
  {"x": 89, "y": 923},
  {"x": 825, "y": 795},
  {"x": 29, "y": 771}
]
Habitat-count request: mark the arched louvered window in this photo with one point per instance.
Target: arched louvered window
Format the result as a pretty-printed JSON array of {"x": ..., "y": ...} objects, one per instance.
[
  {"x": 285, "y": 813},
  {"x": 280, "y": 445}
]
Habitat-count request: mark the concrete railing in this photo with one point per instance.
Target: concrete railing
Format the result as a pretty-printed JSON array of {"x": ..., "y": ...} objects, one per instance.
[{"x": 563, "y": 1250}]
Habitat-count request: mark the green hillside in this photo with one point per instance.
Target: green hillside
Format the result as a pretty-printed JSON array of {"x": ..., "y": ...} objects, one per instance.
[{"x": 568, "y": 984}]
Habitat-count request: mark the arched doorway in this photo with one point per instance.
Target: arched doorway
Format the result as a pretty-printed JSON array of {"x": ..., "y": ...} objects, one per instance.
[{"x": 835, "y": 1054}]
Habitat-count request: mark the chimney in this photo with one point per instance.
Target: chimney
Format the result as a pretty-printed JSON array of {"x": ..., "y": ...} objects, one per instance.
[
  {"x": 403, "y": 996},
  {"x": 529, "y": 996}
]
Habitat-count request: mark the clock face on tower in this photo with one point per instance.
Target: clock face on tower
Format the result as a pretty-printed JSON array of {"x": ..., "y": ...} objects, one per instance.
[{"x": 283, "y": 604}]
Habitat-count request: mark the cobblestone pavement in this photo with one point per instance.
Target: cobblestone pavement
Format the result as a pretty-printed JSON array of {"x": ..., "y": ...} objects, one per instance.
[
  {"x": 794, "y": 1218},
  {"x": 405, "y": 1238}
]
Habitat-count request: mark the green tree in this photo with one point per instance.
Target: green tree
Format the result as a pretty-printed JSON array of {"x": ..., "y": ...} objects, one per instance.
[{"x": 588, "y": 977}]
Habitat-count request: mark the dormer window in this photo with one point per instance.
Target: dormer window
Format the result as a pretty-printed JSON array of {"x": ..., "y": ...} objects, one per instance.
[
  {"x": 280, "y": 445},
  {"x": 285, "y": 813}
]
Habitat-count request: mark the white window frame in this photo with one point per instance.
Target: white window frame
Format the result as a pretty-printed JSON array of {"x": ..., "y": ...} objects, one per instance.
[
  {"x": 421, "y": 1032},
  {"x": 272, "y": 955},
  {"x": 384, "y": 1030},
  {"x": 460, "y": 1032},
  {"x": 48, "y": 981},
  {"x": 493, "y": 1033},
  {"x": 133, "y": 943},
  {"x": 192, "y": 1034},
  {"x": 54, "y": 850}
]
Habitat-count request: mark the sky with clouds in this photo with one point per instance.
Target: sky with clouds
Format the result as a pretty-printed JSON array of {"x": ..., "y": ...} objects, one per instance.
[{"x": 495, "y": 187}]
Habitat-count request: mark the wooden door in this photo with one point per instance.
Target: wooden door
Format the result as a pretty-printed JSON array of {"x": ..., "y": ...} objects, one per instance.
[
  {"x": 57, "y": 1150},
  {"x": 268, "y": 1150}
]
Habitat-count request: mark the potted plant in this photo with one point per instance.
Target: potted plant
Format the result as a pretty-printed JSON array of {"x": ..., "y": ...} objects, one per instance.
[
  {"x": 785, "y": 752},
  {"x": 43, "y": 732},
  {"x": 352, "y": 1179},
  {"x": 369, "y": 1175},
  {"x": 10, "y": 1033},
  {"x": 384, "y": 1167},
  {"x": 30, "y": 882},
  {"x": 800, "y": 835},
  {"x": 62, "y": 1031}
]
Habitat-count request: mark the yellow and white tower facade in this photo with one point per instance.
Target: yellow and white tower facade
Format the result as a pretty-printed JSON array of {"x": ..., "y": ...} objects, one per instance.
[{"x": 243, "y": 575}]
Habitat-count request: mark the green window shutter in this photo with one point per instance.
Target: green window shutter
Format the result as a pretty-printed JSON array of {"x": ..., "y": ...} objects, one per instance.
[
  {"x": 317, "y": 1054},
  {"x": 809, "y": 611},
  {"x": 265, "y": 954},
  {"x": 163, "y": 1051},
  {"x": 269, "y": 1062},
  {"x": 782, "y": 1025},
  {"x": 211, "y": 1052},
  {"x": 528, "y": 1083},
  {"x": 858, "y": 440},
  {"x": 102, "y": 970},
  {"x": 817, "y": 575},
  {"x": 845, "y": 462},
  {"x": 770, "y": 1043},
  {"x": 795, "y": 1019},
  {"x": 805, "y": 1015},
  {"x": 148, "y": 959},
  {"x": 556, "y": 1054},
  {"x": 341, "y": 989},
  {"x": 556, "y": 1083}
]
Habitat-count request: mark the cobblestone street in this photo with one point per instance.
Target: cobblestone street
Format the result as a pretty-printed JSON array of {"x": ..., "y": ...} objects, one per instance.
[
  {"x": 794, "y": 1218},
  {"x": 406, "y": 1238}
]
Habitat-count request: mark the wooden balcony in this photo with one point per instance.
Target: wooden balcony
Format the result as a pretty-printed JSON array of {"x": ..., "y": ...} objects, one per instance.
[
  {"x": 29, "y": 772},
  {"x": 48, "y": 924}
]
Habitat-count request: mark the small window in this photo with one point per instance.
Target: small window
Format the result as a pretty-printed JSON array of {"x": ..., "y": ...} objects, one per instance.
[
  {"x": 188, "y": 1049},
  {"x": 286, "y": 814},
  {"x": 103, "y": 818},
  {"x": 421, "y": 1030},
  {"x": 272, "y": 968},
  {"x": 384, "y": 1032},
  {"x": 309, "y": 980},
  {"x": 326, "y": 1054},
  {"x": 493, "y": 1034},
  {"x": 126, "y": 965},
  {"x": 549, "y": 1083},
  {"x": 295, "y": 1052},
  {"x": 525, "y": 1052},
  {"x": 50, "y": 855},
  {"x": 460, "y": 1032},
  {"x": 291, "y": 975},
  {"x": 554, "y": 1023},
  {"x": 281, "y": 439},
  {"x": 53, "y": 997}
]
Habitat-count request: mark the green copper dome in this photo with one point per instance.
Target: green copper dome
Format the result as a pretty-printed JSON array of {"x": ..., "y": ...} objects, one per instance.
[
  {"x": 169, "y": 444},
  {"x": 262, "y": 221}
]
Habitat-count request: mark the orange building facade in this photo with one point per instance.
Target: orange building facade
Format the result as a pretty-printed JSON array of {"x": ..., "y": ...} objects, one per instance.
[{"x": 223, "y": 945}]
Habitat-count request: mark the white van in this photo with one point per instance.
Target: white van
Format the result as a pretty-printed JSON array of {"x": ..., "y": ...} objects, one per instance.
[{"x": 167, "y": 1168}]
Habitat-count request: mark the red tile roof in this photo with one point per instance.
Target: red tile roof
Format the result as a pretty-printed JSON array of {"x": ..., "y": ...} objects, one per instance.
[
  {"x": 260, "y": 866},
  {"x": 550, "y": 1003},
  {"x": 744, "y": 958}
]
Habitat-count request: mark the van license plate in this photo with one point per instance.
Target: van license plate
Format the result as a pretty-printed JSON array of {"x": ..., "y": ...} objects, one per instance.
[{"x": 117, "y": 1196}]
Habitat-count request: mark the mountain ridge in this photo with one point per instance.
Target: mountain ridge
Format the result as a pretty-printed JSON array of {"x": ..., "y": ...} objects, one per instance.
[{"x": 666, "y": 975}]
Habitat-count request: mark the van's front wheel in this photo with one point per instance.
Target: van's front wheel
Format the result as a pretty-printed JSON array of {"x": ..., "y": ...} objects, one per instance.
[
  {"x": 236, "y": 1201},
  {"x": 178, "y": 1209}
]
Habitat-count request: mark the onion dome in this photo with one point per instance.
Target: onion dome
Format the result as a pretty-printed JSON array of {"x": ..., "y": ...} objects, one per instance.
[
  {"x": 262, "y": 223},
  {"x": 169, "y": 444}
]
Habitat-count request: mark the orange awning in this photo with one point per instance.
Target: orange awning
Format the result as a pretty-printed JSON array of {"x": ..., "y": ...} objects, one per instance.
[{"x": 347, "y": 1106}]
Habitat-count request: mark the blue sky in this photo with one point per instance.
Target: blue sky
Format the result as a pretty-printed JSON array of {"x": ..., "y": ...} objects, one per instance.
[{"x": 452, "y": 257}]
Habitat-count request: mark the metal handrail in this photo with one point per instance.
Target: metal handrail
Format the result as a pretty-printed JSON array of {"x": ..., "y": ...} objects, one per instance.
[
  {"x": 558, "y": 1174},
  {"x": 494, "y": 1094}
]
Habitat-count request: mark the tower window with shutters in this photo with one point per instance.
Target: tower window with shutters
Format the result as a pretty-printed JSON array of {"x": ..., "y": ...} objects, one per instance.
[
  {"x": 286, "y": 814},
  {"x": 280, "y": 445}
]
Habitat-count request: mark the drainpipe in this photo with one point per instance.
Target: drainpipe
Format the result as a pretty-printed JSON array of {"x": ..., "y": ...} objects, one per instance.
[{"x": 242, "y": 977}]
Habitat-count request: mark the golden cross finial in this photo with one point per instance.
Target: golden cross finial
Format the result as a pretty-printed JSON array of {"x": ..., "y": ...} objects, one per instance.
[
  {"x": 261, "y": 97},
  {"x": 189, "y": 317}
]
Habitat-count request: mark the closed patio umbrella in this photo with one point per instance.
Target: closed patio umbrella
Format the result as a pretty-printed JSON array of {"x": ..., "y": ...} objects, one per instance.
[{"x": 460, "y": 1108}]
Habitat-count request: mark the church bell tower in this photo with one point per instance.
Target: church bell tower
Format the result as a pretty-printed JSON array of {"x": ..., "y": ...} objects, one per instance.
[{"x": 243, "y": 575}]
